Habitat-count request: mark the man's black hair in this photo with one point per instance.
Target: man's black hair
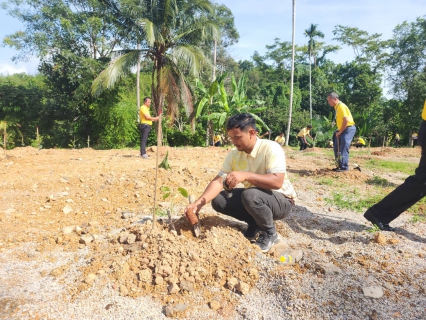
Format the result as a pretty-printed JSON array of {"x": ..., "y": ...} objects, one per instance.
[
  {"x": 146, "y": 98},
  {"x": 309, "y": 126},
  {"x": 242, "y": 121}
]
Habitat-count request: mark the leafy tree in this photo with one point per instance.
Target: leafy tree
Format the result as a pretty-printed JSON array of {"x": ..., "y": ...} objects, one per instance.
[
  {"x": 367, "y": 48},
  {"x": 407, "y": 57}
]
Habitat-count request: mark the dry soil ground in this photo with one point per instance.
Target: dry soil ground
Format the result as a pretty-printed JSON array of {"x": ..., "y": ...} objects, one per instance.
[{"x": 76, "y": 241}]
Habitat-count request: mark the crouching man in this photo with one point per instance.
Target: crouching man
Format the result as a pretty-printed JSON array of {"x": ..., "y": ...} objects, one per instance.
[{"x": 260, "y": 166}]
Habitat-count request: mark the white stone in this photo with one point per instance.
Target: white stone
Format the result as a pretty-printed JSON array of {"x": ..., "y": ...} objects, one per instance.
[{"x": 373, "y": 292}]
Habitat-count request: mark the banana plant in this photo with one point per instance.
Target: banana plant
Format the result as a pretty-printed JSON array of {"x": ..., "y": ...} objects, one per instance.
[{"x": 222, "y": 106}]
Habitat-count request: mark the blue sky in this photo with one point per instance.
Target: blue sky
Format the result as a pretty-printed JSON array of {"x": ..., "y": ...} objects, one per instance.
[{"x": 260, "y": 22}]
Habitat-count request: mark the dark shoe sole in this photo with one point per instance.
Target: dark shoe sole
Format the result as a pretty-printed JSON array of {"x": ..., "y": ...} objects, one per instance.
[{"x": 382, "y": 226}]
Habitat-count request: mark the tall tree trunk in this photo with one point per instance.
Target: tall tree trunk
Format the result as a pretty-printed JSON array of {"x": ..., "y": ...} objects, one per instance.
[
  {"x": 210, "y": 131},
  {"x": 292, "y": 74},
  {"x": 310, "y": 86},
  {"x": 138, "y": 75}
]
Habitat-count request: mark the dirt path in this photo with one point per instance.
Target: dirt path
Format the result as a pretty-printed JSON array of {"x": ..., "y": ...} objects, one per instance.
[{"x": 76, "y": 242}]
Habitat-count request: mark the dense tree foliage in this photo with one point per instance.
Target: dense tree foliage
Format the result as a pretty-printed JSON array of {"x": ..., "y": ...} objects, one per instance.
[{"x": 178, "y": 39}]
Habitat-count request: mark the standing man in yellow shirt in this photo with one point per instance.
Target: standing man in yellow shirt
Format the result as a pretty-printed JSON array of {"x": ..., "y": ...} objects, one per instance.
[
  {"x": 346, "y": 130},
  {"x": 301, "y": 136},
  {"x": 260, "y": 165},
  {"x": 397, "y": 139},
  {"x": 145, "y": 125},
  {"x": 407, "y": 194}
]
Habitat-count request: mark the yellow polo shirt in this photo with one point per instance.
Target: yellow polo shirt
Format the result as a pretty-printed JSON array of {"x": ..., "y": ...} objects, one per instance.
[
  {"x": 142, "y": 112},
  {"x": 280, "y": 140},
  {"x": 342, "y": 111},
  {"x": 303, "y": 132},
  {"x": 217, "y": 138},
  {"x": 424, "y": 112},
  {"x": 361, "y": 141},
  {"x": 266, "y": 157}
]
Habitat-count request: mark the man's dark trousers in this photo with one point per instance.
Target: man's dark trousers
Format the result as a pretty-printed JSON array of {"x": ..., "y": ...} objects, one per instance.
[
  {"x": 408, "y": 193},
  {"x": 144, "y": 130}
]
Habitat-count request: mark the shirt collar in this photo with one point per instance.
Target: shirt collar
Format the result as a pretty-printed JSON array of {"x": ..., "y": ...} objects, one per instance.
[{"x": 256, "y": 147}]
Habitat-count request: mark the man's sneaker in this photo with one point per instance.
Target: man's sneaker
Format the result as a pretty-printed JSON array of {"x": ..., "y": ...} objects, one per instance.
[
  {"x": 145, "y": 156},
  {"x": 266, "y": 241},
  {"x": 252, "y": 232}
]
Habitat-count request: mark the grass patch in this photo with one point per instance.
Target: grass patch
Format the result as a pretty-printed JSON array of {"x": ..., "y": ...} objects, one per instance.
[
  {"x": 326, "y": 181},
  {"x": 379, "y": 181},
  {"x": 396, "y": 166},
  {"x": 418, "y": 217},
  {"x": 343, "y": 201}
]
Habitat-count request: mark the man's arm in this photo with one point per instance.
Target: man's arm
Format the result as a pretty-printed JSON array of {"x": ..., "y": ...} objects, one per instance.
[
  {"x": 344, "y": 126},
  {"x": 270, "y": 181},
  {"x": 148, "y": 117},
  {"x": 212, "y": 190}
]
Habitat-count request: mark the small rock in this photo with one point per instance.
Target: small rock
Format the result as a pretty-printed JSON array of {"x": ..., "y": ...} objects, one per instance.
[
  {"x": 380, "y": 238},
  {"x": 78, "y": 230},
  {"x": 393, "y": 241},
  {"x": 90, "y": 278},
  {"x": 68, "y": 230},
  {"x": 126, "y": 215},
  {"x": 104, "y": 199},
  {"x": 86, "y": 239},
  {"x": 159, "y": 280},
  {"x": 131, "y": 238},
  {"x": 123, "y": 290},
  {"x": 297, "y": 255},
  {"x": 373, "y": 292},
  {"x": 145, "y": 276},
  {"x": 186, "y": 286},
  {"x": 173, "y": 288},
  {"x": 67, "y": 209},
  {"x": 59, "y": 240},
  {"x": 242, "y": 288},
  {"x": 93, "y": 223},
  {"x": 327, "y": 268},
  {"x": 123, "y": 237},
  {"x": 215, "y": 305},
  {"x": 231, "y": 283},
  {"x": 180, "y": 307}
]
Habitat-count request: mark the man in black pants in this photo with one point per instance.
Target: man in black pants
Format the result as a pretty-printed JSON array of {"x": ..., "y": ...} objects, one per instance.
[
  {"x": 404, "y": 196},
  {"x": 258, "y": 164},
  {"x": 145, "y": 125}
]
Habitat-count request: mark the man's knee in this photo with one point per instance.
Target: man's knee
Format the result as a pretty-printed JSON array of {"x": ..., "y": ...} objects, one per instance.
[
  {"x": 250, "y": 197},
  {"x": 218, "y": 203}
]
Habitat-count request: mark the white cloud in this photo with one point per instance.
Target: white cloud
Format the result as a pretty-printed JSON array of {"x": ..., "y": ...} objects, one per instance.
[{"x": 9, "y": 69}]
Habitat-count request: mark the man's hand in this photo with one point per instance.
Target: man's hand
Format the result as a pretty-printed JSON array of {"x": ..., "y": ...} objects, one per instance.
[
  {"x": 194, "y": 207},
  {"x": 235, "y": 177}
]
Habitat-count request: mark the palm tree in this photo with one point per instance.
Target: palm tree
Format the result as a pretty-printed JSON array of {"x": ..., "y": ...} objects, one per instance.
[
  {"x": 173, "y": 33},
  {"x": 312, "y": 33},
  {"x": 292, "y": 73}
]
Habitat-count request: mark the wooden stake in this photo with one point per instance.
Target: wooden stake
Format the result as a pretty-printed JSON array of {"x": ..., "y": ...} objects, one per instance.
[{"x": 88, "y": 141}]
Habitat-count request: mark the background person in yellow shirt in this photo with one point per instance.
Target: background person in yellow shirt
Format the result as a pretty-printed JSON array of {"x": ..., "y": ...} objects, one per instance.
[
  {"x": 360, "y": 142},
  {"x": 397, "y": 139},
  {"x": 280, "y": 139},
  {"x": 301, "y": 136},
  {"x": 407, "y": 194},
  {"x": 145, "y": 124},
  {"x": 259, "y": 164},
  {"x": 217, "y": 139},
  {"x": 343, "y": 136}
]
